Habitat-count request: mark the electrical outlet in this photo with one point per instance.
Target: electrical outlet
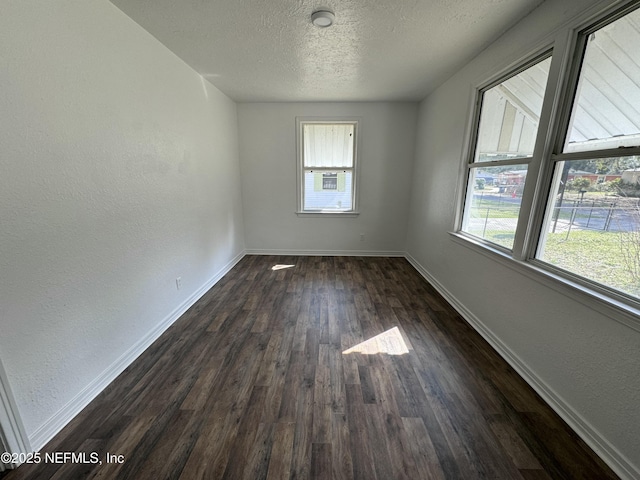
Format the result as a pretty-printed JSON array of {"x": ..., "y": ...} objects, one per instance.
[
  {"x": 179, "y": 283},
  {"x": 362, "y": 237}
]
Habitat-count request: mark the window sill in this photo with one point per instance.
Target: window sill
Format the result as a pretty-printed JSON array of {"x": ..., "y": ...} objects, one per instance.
[
  {"x": 615, "y": 308},
  {"x": 327, "y": 213}
]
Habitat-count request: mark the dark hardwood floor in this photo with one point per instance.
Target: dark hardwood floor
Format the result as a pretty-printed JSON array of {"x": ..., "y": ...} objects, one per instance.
[{"x": 332, "y": 368}]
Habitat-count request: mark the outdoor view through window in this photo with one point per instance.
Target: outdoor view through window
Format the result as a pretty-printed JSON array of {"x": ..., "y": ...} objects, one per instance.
[
  {"x": 328, "y": 151},
  {"x": 509, "y": 117},
  {"x": 592, "y": 225}
]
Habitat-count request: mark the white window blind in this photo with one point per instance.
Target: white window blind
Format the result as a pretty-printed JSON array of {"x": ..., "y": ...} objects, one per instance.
[{"x": 328, "y": 146}]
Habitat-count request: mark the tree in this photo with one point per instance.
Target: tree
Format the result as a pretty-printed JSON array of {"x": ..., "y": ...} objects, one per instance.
[
  {"x": 579, "y": 184},
  {"x": 630, "y": 245}
]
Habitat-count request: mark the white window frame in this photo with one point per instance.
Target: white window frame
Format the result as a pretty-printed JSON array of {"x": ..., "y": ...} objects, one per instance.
[
  {"x": 474, "y": 127},
  {"x": 300, "y": 184},
  {"x": 567, "y": 47}
]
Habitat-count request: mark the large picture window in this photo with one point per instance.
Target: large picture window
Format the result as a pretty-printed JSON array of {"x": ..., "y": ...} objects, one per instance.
[
  {"x": 553, "y": 177},
  {"x": 327, "y": 163}
]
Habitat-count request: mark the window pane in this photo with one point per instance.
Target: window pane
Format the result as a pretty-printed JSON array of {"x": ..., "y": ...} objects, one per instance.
[
  {"x": 493, "y": 203},
  {"x": 606, "y": 111},
  {"x": 592, "y": 227},
  {"x": 510, "y": 115},
  {"x": 328, "y": 190},
  {"x": 328, "y": 145}
]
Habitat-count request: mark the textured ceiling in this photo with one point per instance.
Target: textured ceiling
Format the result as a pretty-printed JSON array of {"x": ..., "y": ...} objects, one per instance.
[{"x": 259, "y": 50}]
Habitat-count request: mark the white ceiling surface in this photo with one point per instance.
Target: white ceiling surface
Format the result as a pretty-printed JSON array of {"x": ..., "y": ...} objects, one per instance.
[{"x": 386, "y": 50}]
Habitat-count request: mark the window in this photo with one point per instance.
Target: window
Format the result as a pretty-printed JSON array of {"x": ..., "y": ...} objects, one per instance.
[
  {"x": 327, "y": 151},
  {"x": 330, "y": 181},
  {"x": 553, "y": 178},
  {"x": 504, "y": 143},
  {"x": 592, "y": 223}
]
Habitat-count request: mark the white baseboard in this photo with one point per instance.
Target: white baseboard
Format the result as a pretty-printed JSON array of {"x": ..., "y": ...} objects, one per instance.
[
  {"x": 51, "y": 427},
  {"x": 326, "y": 253},
  {"x": 600, "y": 445}
]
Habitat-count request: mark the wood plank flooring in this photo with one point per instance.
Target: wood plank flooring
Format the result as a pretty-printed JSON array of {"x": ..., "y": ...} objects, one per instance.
[{"x": 332, "y": 368}]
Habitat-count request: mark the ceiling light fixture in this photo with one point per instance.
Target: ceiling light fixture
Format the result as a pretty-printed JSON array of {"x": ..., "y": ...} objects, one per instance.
[{"x": 322, "y": 18}]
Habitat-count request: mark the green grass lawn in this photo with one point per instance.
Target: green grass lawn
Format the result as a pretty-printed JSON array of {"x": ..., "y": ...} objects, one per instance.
[
  {"x": 495, "y": 209},
  {"x": 595, "y": 255}
]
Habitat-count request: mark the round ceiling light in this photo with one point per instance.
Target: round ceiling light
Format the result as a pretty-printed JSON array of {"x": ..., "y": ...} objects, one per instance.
[{"x": 322, "y": 18}]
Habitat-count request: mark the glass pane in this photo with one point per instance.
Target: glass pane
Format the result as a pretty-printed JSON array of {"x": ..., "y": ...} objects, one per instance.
[
  {"x": 592, "y": 226},
  {"x": 328, "y": 145},
  {"x": 328, "y": 191},
  {"x": 493, "y": 203},
  {"x": 510, "y": 115},
  {"x": 605, "y": 111}
]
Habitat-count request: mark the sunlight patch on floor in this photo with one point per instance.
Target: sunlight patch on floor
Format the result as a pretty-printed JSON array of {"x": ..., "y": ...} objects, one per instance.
[
  {"x": 281, "y": 267},
  {"x": 389, "y": 342}
]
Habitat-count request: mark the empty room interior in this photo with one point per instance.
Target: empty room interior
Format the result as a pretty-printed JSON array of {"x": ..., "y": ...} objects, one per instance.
[{"x": 305, "y": 239}]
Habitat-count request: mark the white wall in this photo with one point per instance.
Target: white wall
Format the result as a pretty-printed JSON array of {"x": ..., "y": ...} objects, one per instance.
[
  {"x": 584, "y": 361},
  {"x": 268, "y": 162},
  {"x": 119, "y": 172}
]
